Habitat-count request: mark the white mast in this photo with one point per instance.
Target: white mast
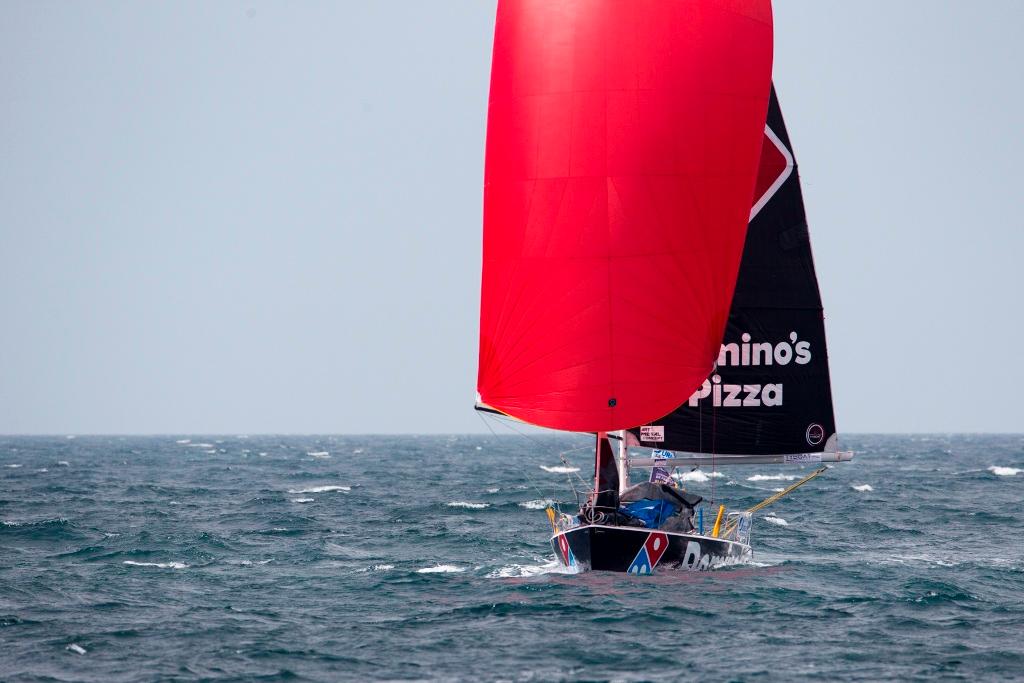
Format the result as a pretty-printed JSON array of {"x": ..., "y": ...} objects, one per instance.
[{"x": 623, "y": 463}]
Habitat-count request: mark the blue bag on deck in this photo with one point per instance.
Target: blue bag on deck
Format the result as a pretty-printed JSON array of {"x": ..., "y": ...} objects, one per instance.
[{"x": 653, "y": 513}]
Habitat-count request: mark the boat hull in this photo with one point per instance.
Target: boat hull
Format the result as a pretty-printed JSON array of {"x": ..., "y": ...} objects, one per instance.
[{"x": 636, "y": 550}]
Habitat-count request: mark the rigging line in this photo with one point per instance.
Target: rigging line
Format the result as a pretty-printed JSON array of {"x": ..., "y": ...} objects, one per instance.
[
  {"x": 575, "y": 470},
  {"x": 714, "y": 435},
  {"x": 525, "y": 470}
]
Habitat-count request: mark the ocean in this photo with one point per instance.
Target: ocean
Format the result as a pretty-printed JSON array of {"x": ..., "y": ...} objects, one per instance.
[{"x": 327, "y": 558}]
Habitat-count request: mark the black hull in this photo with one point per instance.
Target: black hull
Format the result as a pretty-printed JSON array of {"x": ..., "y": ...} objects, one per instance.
[{"x": 637, "y": 550}]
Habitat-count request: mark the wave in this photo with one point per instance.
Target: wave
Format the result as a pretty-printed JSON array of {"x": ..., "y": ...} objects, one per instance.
[
  {"x": 493, "y": 489},
  {"x": 318, "y": 454},
  {"x": 863, "y": 488},
  {"x": 321, "y": 489},
  {"x": 773, "y": 477},
  {"x": 441, "y": 569},
  {"x": 1004, "y": 471},
  {"x": 537, "y": 504},
  {"x": 63, "y": 463},
  {"x": 303, "y": 500},
  {"x": 75, "y": 647},
  {"x": 471, "y": 506},
  {"x": 13, "y": 466},
  {"x": 183, "y": 441},
  {"x": 559, "y": 469},
  {"x": 778, "y": 521},
  {"x": 159, "y": 565}
]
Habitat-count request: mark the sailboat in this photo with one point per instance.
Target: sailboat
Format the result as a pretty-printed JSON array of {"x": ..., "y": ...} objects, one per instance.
[{"x": 647, "y": 271}]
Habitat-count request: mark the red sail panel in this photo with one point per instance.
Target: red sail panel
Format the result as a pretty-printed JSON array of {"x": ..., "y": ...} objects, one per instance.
[{"x": 623, "y": 142}]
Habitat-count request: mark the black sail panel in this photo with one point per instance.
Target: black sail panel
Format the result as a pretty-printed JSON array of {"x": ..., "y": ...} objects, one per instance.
[{"x": 770, "y": 392}]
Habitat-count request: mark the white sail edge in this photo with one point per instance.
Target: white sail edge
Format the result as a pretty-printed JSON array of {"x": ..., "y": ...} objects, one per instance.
[{"x": 724, "y": 460}]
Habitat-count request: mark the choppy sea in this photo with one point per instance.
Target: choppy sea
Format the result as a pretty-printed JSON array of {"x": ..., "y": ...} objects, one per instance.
[{"x": 427, "y": 558}]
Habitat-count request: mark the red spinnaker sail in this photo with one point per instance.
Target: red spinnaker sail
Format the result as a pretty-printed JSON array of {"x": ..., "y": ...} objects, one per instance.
[{"x": 623, "y": 142}]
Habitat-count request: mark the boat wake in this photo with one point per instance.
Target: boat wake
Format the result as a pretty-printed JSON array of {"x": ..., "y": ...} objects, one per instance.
[{"x": 520, "y": 571}]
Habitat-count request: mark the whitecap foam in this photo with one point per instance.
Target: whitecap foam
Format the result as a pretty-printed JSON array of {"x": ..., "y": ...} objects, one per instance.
[
  {"x": 318, "y": 454},
  {"x": 516, "y": 571},
  {"x": 201, "y": 445},
  {"x": 321, "y": 489},
  {"x": 13, "y": 466},
  {"x": 778, "y": 521},
  {"x": 773, "y": 477},
  {"x": 537, "y": 504},
  {"x": 379, "y": 568},
  {"x": 441, "y": 569},
  {"x": 863, "y": 488},
  {"x": 358, "y": 451},
  {"x": 471, "y": 506},
  {"x": 250, "y": 563},
  {"x": 559, "y": 469},
  {"x": 493, "y": 490},
  {"x": 303, "y": 500},
  {"x": 70, "y": 436},
  {"x": 159, "y": 565},
  {"x": 42, "y": 469},
  {"x": 75, "y": 647},
  {"x": 183, "y": 441},
  {"x": 63, "y": 463},
  {"x": 698, "y": 476},
  {"x": 994, "y": 469}
]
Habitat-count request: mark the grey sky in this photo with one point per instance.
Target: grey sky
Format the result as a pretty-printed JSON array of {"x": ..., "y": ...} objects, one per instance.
[{"x": 265, "y": 217}]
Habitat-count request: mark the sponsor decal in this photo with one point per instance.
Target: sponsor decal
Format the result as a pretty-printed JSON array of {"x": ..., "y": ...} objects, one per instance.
[
  {"x": 815, "y": 433},
  {"x": 798, "y": 458},
  {"x": 660, "y": 475},
  {"x": 776, "y": 166},
  {"x": 748, "y": 353},
  {"x": 652, "y": 433},
  {"x": 563, "y": 545},
  {"x": 692, "y": 559},
  {"x": 650, "y": 554}
]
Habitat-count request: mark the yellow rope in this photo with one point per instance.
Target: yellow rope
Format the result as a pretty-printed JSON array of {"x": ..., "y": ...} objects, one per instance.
[{"x": 729, "y": 528}]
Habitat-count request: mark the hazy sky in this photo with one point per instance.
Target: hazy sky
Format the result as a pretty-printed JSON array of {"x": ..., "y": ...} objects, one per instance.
[{"x": 265, "y": 217}]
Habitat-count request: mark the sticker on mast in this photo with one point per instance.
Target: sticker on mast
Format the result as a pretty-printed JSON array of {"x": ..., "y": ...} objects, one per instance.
[{"x": 652, "y": 433}]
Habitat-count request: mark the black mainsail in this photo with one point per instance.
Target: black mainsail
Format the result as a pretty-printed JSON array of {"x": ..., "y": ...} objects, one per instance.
[{"x": 769, "y": 392}]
